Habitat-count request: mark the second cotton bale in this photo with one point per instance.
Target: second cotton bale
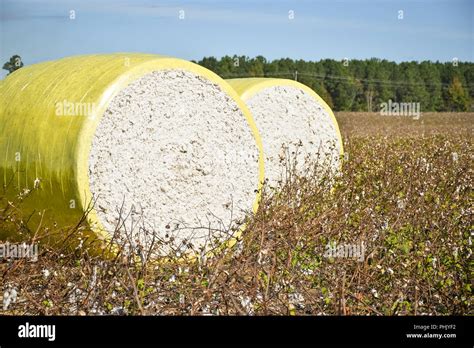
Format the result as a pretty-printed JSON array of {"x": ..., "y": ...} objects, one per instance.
[{"x": 298, "y": 129}]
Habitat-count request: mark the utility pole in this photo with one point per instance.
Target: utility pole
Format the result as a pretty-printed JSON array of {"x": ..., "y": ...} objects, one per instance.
[{"x": 296, "y": 75}]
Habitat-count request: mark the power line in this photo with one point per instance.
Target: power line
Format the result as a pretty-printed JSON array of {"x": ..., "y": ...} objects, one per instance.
[{"x": 346, "y": 78}]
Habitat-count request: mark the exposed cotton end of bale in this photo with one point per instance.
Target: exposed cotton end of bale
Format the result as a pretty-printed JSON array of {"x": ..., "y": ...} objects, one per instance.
[
  {"x": 173, "y": 159},
  {"x": 298, "y": 130}
]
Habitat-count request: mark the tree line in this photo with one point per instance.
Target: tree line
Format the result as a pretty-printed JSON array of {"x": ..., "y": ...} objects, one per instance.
[
  {"x": 356, "y": 85},
  {"x": 363, "y": 85}
]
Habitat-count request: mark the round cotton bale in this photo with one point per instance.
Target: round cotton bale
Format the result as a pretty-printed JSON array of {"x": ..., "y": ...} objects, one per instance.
[
  {"x": 298, "y": 129},
  {"x": 148, "y": 149}
]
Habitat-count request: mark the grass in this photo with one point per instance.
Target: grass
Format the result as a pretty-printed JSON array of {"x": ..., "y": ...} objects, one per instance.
[{"x": 405, "y": 193}]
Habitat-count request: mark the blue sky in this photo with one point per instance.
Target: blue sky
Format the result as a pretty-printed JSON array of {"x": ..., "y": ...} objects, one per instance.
[{"x": 430, "y": 30}]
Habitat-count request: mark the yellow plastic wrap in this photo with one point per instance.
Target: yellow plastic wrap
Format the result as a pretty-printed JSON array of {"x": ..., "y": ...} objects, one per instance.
[
  {"x": 48, "y": 154},
  {"x": 247, "y": 87}
]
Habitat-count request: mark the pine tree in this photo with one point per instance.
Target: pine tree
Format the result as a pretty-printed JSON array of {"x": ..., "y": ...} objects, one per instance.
[{"x": 458, "y": 98}]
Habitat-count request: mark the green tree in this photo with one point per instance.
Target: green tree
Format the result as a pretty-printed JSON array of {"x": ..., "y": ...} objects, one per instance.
[
  {"x": 458, "y": 98},
  {"x": 468, "y": 69},
  {"x": 432, "y": 78},
  {"x": 412, "y": 88},
  {"x": 226, "y": 67},
  {"x": 13, "y": 64},
  {"x": 211, "y": 63},
  {"x": 341, "y": 85},
  {"x": 256, "y": 66}
]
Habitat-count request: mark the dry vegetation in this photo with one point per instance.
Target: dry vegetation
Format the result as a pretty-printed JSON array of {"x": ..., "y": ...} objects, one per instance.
[{"x": 405, "y": 191}]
